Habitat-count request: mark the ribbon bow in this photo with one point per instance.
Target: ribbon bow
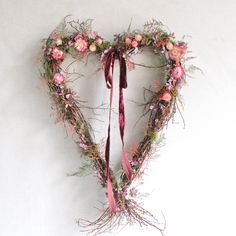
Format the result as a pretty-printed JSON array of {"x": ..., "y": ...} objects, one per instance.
[{"x": 111, "y": 56}]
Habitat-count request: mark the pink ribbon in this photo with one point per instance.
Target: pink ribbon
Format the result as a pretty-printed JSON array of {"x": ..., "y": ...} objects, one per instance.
[{"x": 111, "y": 55}]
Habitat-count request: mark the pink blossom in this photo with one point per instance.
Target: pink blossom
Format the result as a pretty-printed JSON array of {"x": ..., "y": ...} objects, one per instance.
[
  {"x": 70, "y": 43},
  {"x": 166, "y": 96},
  {"x": 177, "y": 52},
  {"x": 81, "y": 45},
  {"x": 99, "y": 41},
  {"x": 128, "y": 41},
  {"x": 57, "y": 54},
  {"x": 133, "y": 192},
  {"x": 83, "y": 146},
  {"x": 134, "y": 43},
  {"x": 59, "y": 78},
  {"x": 138, "y": 37},
  {"x": 151, "y": 107},
  {"x": 178, "y": 72}
]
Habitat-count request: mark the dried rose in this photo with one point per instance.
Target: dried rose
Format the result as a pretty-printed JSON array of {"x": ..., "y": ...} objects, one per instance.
[
  {"x": 178, "y": 72},
  {"x": 59, "y": 78},
  {"x": 57, "y": 54},
  {"x": 81, "y": 45}
]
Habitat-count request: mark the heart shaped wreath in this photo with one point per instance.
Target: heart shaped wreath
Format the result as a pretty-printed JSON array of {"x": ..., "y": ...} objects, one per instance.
[{"x": 79, "y": 40}]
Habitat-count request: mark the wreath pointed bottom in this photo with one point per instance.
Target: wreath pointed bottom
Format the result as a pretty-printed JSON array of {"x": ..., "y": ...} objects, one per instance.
[{"x": 129, "y": 214}]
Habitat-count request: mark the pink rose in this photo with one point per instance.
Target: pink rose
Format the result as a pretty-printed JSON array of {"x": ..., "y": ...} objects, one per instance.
[
  {"x": 166, "y": 96},
  {"x": 57, "y": 54},
  {"x": 81, "y": 45},
  {"x": 59, "y": 78},
  {"x": 134, "y": 43},
  {"x": 99, "y": 41},
  {"x": 178, "y": 72}
]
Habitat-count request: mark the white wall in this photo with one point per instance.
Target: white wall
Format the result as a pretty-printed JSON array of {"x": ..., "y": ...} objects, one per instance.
[{"x": 193, "y": 180}]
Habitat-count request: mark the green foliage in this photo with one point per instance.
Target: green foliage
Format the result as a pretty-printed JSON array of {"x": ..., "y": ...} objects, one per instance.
[
  {"x": 47, "y": 69},
  {"x": 85, "y": 169},
  {"x": 103, "y": 46},
  {"x": 192, "y": 69},
  {"x": 153, "y": 135},
  {"x": 70, "y": 49}
]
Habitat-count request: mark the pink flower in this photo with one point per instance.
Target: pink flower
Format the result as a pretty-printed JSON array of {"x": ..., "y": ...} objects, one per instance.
[
  {"x": 166, "y": 96},
  {"x": 59, "y": 78},
  {"x": 138, "y": 37},
  {"x": 83, "y": 145},
  {"x": 99, "y": 41},
  {"x": 133, "y": 192},
  {"x": 178, "y": 72},
  {"x": 57, "y": 54},
  {"x": 81, "y": 45},
  {"x": 70, "y": 43},
  {"x": 128, "y": 41},
  {"x": 151, "y": 107},
  {"x": 177, "y": 52},
  {"x": 134, "y": 43}
]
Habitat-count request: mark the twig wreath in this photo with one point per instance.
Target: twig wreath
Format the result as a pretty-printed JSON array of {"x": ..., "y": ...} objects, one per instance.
[{"x": 78, "y": 40}]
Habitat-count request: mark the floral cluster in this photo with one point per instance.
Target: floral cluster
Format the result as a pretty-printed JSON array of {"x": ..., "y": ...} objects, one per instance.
[
  {"x": 135, "y": 40},
  {"x": 78, "y": 44},
  {"x": 173, "y": 53},
  {"x": 81, "y": 43}
]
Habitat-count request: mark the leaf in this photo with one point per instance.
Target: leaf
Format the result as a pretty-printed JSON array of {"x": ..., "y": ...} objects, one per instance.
[
  {"x": 191, "y": 69},
  {"x": 129, "y": 27},
  {"x": 85, "y": 169}
]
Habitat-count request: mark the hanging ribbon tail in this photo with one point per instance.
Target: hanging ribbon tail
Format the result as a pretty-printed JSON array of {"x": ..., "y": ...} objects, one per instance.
[
  {"x": 123, "y": 71},
  {"x": 108, "y": 73},
  {"x": 123, "y": 84},
  {"x": 111, "y": 55},
  {"x": 126, "y": 165},
  {"x": 111, "y": 199},
  {"x": 125, "y": 161}
]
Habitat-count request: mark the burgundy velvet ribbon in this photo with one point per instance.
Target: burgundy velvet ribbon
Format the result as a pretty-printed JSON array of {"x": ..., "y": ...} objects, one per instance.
[{"x": 111, "y": 56}]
